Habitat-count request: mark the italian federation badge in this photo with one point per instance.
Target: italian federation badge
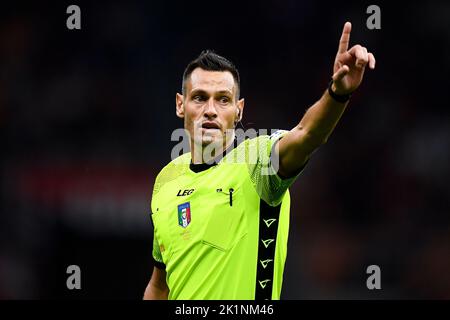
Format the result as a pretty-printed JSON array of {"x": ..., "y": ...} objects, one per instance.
[{"x": 184, "y": 214}]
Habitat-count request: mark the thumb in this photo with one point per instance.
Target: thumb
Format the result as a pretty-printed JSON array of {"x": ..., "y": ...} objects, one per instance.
[{"x": 338, "y": 75}]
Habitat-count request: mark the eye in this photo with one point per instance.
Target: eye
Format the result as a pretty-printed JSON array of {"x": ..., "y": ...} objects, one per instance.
[
  {"x": 198, "y": 98},
  {"x": 224, "y": 99}
]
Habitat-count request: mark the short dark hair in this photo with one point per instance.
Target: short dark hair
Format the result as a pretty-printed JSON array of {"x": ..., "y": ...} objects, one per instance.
[{"x": 210, "y": 61}]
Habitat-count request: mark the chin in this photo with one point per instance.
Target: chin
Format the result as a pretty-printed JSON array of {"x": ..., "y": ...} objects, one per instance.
[
  {"x": 214, "y": 140},
  {"x": 206, "y": 141}
]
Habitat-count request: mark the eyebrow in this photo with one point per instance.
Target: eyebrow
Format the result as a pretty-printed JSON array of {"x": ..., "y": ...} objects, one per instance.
[
  {"x": 201, "y": 91},
  {"x": 225, "y": 92}
]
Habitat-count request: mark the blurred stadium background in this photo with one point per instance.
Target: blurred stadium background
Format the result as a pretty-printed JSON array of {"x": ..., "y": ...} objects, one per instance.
[{"x": 86, "y": 118}]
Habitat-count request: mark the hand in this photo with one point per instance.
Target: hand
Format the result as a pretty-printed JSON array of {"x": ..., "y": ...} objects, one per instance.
[{"x": 350, "y": 64}]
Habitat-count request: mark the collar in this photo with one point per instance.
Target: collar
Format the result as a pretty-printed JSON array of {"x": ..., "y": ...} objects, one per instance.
[{"x": 199, "y": 167}]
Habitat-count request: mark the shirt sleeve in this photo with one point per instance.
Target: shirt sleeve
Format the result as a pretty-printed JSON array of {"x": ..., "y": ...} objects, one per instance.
[
  {"x": 264, "y": 169},
  {"x": 156, "y": 254},
  {"x": 156, "y": 251}
]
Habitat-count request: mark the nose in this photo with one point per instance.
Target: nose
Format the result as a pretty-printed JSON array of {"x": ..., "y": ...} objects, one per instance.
[{"x": 210, "y": 109}]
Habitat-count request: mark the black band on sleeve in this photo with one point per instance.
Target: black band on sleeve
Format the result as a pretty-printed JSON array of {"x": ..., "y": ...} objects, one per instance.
[{"x": 159, "y": 265}]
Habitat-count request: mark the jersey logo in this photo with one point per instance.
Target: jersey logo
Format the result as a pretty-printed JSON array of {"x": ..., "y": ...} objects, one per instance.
[
  {"x": 267, "y": 242},
  {"x": 184, "y": 214},
  {"x": 263, "y": 283},
  {"x": 184, "y": 193},
  {"x": 269, "y": 222},
  {"x": 265, "y": 262}
]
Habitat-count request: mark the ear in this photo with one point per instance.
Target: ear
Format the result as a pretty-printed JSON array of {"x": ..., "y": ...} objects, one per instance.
[
  {"x": 179, "y": 105},
  {"x": 240, "y": 105}
]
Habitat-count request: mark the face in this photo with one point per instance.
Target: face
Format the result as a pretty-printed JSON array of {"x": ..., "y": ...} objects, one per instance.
[{"x": 209, "y": 107}]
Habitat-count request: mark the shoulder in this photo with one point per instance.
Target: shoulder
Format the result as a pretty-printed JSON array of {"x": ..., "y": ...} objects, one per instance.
[
  {"x": 264, "y": 138},
  {"x": 254, "y": 149},
  {"x": 172, "y": 171},
  {"x": 263, "y": 144}
]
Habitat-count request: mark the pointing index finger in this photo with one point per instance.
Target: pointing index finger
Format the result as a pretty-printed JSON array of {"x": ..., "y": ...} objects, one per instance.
[{"x": 345, "y": 37}]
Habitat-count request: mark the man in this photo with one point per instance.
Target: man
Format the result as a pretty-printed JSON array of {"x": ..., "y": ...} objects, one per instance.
[{"x": 221, "y": 219}]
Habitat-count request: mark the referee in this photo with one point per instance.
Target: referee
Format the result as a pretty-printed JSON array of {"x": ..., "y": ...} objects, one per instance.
[{"x": 221, "y": 218}]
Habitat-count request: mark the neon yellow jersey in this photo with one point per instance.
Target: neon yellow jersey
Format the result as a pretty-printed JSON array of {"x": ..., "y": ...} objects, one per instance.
[{"x": 221, "y": 231}]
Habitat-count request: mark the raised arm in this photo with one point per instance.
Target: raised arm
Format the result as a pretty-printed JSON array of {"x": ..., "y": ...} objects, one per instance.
[{"x": 320, "y": 120}]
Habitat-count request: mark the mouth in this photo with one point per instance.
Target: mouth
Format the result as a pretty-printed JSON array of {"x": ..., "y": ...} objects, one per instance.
[{"x": 210, "y": 125}]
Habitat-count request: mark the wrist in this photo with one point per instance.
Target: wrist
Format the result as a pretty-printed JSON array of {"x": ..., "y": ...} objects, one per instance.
[{"x": 339, "y": 97}]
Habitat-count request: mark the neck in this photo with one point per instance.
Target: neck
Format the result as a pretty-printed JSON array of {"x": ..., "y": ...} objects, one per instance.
[{"x": 211, "y": 152}]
